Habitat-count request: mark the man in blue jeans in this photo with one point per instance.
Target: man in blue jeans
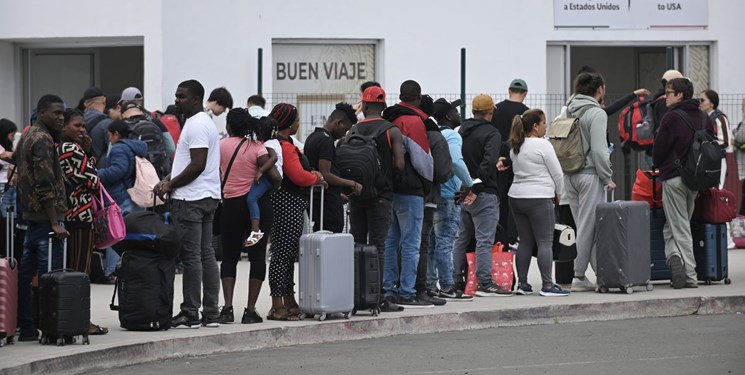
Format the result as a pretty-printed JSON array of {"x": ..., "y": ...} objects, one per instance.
[
  {"x": 194, "y": 186},
  {"x": 409, "y": 188},
  {"x": 41, "y": 190},
  {"x": 481, "y": 145},
  {"x": 447, "y": 216}
]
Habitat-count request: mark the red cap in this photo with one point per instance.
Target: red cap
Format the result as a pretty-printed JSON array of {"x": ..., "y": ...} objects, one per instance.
[{"x": 373, "y": 94}]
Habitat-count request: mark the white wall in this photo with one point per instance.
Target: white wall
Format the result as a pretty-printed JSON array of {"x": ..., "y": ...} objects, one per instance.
[{"x": 216, "y": 42}]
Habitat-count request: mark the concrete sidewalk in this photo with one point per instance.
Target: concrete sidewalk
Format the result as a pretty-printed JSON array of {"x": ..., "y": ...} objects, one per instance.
[{"x": 121, "y": 347}]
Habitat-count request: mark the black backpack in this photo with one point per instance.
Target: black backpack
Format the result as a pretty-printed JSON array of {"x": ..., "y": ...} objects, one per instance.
[
  {"x": 357, "y": 159},
  {"x": 442, "y": 162},
  {"x": 701, "y": 168},
  {"x": 148, "y": 132}
]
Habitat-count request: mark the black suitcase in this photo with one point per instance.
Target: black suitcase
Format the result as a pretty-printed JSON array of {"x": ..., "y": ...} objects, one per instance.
[
  {"x": 366, "y": 279},
  {"x": 64, "y": 303},
  {"x": 145, "y": 286},
  {"x": 622, "y": 245}
]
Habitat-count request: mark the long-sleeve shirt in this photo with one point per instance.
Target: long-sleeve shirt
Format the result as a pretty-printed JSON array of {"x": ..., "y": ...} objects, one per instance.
[
  {"x": 537, "y": 170},
  {"x": 296, "y": 168},
  {"x": 80, "y": 173},
  {"x": 460, "y": 170}
]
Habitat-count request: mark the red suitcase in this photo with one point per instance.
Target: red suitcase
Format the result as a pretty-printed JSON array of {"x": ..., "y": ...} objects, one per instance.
[
  {"x": 715, "y": 206},
  {"x": 8, "y": 286}
]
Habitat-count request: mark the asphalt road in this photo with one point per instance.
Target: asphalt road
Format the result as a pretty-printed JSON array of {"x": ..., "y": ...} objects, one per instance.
[{"x": 700, "y": 345}]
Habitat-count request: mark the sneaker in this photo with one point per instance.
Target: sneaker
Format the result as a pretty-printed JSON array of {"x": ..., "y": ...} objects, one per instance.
[
  {"x": 183, "y": 320},
  {"x": 491, "y": 290},
  {"x": 226, "y": 315},
  {"x": 583, "y": 285},
  {"x": 389, "y": 305},
  {"x": 210, "y": 322},
  {"x": 250, "y": 317},
  {"x": 692, "y": 285},
  {"x": 414, "y": 303},
  {"x": 426, "y": 298},
  {"x": 453, "y": 294},
  {"x": 678, "y": 272},
  {"x": 554, "y": 291},
  {"x": 524, "y": 289}
]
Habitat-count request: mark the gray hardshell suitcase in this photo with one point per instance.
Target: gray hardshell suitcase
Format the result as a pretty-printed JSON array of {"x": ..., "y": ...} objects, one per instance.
[
  {"x": 326, "y": 271},
  {"x": 622, "y": 244}
]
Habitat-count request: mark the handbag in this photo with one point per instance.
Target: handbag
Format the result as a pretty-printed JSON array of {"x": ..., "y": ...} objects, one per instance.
[
  {"x": 108, "y": 223},
  {"x": 716, "y": 206},
  {"x": 218, "y": 210}
]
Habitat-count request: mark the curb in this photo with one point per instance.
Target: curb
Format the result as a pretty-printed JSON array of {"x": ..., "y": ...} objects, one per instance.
[{"x": 375, "y": 328}]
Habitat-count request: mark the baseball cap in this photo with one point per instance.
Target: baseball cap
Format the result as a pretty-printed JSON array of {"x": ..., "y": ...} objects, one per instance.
[
  {"x": 442, "y": 107},
  {"x": 92, "y": 92},
  {"x": 671, "y": 75},
  {"x": 518, "y": 84},
  {"x": 131, "y": 93},
  {"x": 482, "y": 102},
  {"x": 126, "y": 105},
  {"x": 373, "y": 94}
]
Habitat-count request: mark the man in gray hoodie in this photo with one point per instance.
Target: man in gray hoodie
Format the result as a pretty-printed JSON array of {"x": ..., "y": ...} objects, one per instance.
[{"x": 586, "y": 188}]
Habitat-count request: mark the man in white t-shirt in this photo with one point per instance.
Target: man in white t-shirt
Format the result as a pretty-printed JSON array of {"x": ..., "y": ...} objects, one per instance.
[{"x": 194, "y": 185}]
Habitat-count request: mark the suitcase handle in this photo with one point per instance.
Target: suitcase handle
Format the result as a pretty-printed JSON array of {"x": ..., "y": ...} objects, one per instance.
[
  {"x": 312, "y": 223},
  {"x": 64, "y": 253},
  {"x": 612, "y": 195},
  {"x": 10, "y": 232}
]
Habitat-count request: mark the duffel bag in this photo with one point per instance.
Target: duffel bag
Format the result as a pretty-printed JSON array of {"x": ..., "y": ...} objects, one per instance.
[
  {"x": 715, "y": 206},
  {"x": 151, "y": 231}
]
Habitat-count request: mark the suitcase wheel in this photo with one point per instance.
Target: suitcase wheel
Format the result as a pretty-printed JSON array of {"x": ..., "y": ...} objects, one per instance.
[
  {"x": 86, "y": 340},
  {"x": 61, "y": 341},
  {"x": 347, "y": 314},
  {"x": 44, "y": 340},
  {"x": 707, "y": 282},
  {"x": 727, "y": 281},
  {"x": 650, "y": 287},
  {"x": 354, "y": 311},
  {"x": 375, "y": 311},
  {"x": 628, "y": 290},
  {"x": 321, "y": 317},
  {"x": 603, "y": 289}
]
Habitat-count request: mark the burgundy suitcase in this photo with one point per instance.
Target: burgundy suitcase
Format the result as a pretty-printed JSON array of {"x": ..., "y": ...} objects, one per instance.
[{"x": 8, "y": 286}]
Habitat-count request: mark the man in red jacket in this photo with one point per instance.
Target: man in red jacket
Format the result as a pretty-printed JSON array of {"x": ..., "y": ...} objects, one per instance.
[{"x": 673, "y": 142}]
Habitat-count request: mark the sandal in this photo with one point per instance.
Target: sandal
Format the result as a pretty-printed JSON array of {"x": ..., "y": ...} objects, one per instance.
[
  {"x": 253, "y": 239},
  {"x": 275, "y": 314},
  {"x": 95, "y": 329},
  {"x": 294, "y": 311}
]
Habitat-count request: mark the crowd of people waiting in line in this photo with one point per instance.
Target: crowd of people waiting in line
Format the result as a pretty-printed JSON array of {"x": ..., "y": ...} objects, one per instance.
[{"x": 504, "y": 174}]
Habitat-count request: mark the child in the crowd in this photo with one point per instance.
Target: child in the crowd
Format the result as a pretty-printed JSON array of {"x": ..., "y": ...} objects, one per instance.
[{"x": 273, "y": 170}]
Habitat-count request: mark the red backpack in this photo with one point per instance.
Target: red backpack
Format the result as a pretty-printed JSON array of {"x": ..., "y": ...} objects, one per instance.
[{"x": 636, "y": 124}]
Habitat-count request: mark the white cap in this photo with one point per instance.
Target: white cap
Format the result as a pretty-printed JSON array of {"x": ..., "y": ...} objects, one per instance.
[
  {"x": 131, "y": 93},
  {"x": 668, "y": 76}
]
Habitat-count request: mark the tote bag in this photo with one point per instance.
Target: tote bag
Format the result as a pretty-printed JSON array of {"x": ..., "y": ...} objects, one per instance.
[{"x": 108, "y": 223}]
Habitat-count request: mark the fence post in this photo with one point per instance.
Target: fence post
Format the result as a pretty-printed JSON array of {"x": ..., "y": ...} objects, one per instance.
[
  {"x": 261, "y": 70},
  {"x": 669, "y": 58},
  {"x": 463, "y": 83}
]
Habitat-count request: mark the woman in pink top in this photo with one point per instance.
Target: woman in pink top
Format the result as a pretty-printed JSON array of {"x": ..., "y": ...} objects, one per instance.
[{"x": 249, "y": 154}]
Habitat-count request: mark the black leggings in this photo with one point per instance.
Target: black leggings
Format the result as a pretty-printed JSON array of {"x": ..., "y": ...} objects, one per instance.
[{"x": 235, "y": 225}]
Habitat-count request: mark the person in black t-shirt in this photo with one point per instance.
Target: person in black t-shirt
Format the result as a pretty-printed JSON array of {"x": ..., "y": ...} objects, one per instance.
[
  {"x": 504, "y": 112},
  {"x": 320, "y": 150}
]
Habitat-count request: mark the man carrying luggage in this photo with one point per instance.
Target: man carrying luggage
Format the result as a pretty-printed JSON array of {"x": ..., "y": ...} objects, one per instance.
[
  {"x": 673, "y": 141},
  {"x": 194, "y": 185},
  {"x": 41, "y": 189}
]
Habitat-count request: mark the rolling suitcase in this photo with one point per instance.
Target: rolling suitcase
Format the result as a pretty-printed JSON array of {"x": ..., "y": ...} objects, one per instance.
[
  {"x": 710, "y": 251},
  {"x": 622, "y": 245},
  {"x": 145, "y": 285},
  {"x": 366, "y": 279},
  {"x": 64, "y": 303},
  {"x": 660, "y": 269},
  {"x": 8, "y": 285},
  {"x": 326, "y": 271}
]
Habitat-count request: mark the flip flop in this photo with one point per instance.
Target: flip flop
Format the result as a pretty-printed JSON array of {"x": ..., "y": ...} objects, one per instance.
[{"x": 98, "y": 330}]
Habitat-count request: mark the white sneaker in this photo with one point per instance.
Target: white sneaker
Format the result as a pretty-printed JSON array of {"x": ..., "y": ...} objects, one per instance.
[{"x": 583, "y": 285}]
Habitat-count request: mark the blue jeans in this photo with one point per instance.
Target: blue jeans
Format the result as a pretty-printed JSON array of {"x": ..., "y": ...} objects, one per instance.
[
  {"x": 8, "y": 199},
  {"x": 440, "y": 250},
  {"x": 405, "y": 234},
  {"x": 35, "y": 259},
  {"x": 257, "y": 191}
]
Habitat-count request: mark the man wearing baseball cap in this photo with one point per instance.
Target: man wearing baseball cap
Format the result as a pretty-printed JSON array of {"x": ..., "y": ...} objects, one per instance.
[
  {"x": 370, "y": 219},
  {"x": 481, "y": 145},
  {"x": 96, "y": 122}
]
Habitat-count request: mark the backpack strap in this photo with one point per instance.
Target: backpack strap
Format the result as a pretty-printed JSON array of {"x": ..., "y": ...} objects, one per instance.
[{"x": 89, "y": 126}]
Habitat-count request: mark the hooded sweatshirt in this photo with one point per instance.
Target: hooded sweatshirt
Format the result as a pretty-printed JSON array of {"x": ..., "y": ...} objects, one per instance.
[
  {"x": 593, "y": 122},
  {"x": 481, "y": 145},
  {"x": 674, "y": 137},
  {"x": 120, "y": 174},
  {"x": 416, "y": 178}
]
